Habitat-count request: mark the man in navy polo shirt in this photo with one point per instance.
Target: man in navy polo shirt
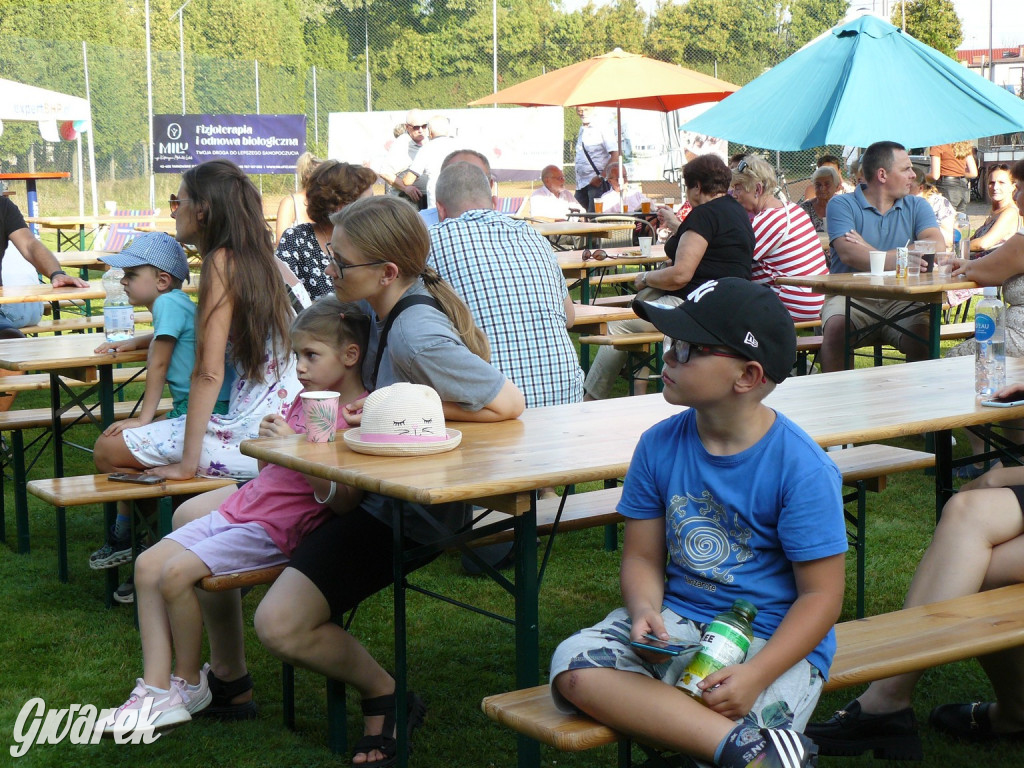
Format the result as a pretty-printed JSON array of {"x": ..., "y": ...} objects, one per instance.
[{"x": 880, "y": 215}]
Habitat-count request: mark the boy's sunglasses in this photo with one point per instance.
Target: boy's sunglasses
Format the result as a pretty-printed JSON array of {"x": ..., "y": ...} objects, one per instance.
[{"x": 682, "y": 350}]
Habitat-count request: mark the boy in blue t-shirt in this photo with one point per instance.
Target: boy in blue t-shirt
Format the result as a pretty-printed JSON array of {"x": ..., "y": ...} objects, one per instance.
[
  {"x": 728, "y": 499},
  {"x": 155, "y": 268}
]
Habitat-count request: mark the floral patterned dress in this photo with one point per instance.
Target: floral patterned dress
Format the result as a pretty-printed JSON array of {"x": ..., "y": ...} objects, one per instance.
[{"x": 161, "y": 442}]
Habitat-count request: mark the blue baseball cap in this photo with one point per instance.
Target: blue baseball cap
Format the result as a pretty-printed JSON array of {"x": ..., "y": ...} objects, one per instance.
[{"x": 155, "y": 249}]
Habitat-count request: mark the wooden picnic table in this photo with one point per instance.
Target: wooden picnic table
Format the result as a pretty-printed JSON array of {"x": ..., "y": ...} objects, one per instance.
[
  {"x": 575, "y": 267},
  {"x": 503, "y": 465},
  {"x": 928, "y": 290},
  {"x": 84, "y": 224},
  {"x": 590, "y": 229}
]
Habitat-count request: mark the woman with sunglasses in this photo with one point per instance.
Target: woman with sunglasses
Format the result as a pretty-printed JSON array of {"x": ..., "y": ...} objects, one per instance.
[
  {"x": 714, "y": 240},
  {"x": 380, "y": 248},
  {"x": 1003, "y": 219},
  {"x": 242, "y": 350}
]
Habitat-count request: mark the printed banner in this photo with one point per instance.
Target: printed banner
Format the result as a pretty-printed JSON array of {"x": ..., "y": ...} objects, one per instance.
[{"x": 256, "y": 143}]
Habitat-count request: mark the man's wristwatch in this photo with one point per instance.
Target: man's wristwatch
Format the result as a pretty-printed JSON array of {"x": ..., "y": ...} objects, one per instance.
[
  {"x": 57, "y": 272},
  {"x": 643, "y": 278}
]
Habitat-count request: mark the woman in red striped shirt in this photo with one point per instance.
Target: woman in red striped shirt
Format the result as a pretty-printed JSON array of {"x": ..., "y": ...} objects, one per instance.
[{"x": 786, "y": 243}]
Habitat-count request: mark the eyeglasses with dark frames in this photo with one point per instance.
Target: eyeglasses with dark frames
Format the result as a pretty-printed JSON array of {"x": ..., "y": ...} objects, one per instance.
[
  {"x": 175, "y": 202},
  {"x": 342, "y": 266},
  {"x": 416, "y": 127},
  {"x": 597, "y": 253},
  {"x": 682, "y": 350}
]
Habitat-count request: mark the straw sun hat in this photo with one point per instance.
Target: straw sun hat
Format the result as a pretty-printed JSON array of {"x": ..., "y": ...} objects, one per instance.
[{"x": 402, "y": 420}]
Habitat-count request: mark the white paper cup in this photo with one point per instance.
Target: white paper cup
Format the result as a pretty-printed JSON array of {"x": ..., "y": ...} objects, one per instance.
[
  {"x": 320, "y": 410},
  {"x": 877, "y": 262},
  {"x": 645, "y": 245}
]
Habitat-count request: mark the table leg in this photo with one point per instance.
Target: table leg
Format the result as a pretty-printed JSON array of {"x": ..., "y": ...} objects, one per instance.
[
  {"x": 527, "y": 618},
  {"x": 943, "y": 469},
  {"x": 934, "y": 331},
  {"x": 401, "y": 656}
]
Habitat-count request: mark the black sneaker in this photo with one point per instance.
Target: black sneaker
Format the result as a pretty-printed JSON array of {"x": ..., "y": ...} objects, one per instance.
[
  {"x": 850, "y": 732},
  {"x": 125, "y": 594},
  {"x": 112, "y": 554}
]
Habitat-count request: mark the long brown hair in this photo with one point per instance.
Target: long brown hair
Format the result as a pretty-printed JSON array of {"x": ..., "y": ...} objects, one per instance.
[
  {"x": 389, "y": 229},
  {"x": 232, "y": 220}
]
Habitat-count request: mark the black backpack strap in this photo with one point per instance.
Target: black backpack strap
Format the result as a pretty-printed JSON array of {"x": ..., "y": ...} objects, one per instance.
[{"x": 403, "y": 304}]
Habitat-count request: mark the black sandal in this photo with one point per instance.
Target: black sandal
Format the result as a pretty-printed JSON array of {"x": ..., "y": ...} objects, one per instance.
[
  {"x": 387, "y": 745},
  {"x": 221, "y": 707}
]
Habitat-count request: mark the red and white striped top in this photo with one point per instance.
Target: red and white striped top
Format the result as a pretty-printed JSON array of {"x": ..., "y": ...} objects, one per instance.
[{"x": 786, "y": 244}]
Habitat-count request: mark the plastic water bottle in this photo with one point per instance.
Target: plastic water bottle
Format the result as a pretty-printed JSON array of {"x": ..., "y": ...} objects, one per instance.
[
  {"x": 990, "y": 335},
  {"x": 962, "y": 237},
  {"x": 118, "y": 314},
  {"x": 725, "y": 642}
]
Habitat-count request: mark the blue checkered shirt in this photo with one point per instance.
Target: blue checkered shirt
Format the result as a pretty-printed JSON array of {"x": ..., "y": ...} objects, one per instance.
[{"x": 509, "y": 277}]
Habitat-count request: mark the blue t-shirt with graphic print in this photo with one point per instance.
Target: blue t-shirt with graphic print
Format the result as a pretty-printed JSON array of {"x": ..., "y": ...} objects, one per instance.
[{"x": 735, "y": 524}]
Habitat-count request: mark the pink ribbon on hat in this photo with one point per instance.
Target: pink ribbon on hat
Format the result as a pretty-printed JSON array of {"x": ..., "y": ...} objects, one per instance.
[{"x": 380, "y": 437}]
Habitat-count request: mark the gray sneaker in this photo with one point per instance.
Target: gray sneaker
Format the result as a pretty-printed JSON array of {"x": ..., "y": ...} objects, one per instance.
[
  {"x": 112, "y": 554},
  {"x": 125, "y": 594}
]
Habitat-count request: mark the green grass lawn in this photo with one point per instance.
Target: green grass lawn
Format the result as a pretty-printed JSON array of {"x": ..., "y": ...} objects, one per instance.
[{"x": 58, "y": 642}]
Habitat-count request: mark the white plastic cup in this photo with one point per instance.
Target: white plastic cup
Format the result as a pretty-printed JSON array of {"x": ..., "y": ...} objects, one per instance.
[
  {"x": 645, "y": 245},
  {"x": 877, "y": 262},
  {"x": 320, "y": 410}
]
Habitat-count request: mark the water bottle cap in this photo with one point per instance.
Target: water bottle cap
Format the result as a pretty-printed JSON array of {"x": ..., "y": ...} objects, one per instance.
[
  {"x": 744, "y": 606},
  {"x": 990, "y": 291}
]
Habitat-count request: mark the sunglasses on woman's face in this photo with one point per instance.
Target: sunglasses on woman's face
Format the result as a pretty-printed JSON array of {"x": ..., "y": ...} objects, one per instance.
[
  {"x": 176, "y": 201},
  {"x": 597, "y": 253}
]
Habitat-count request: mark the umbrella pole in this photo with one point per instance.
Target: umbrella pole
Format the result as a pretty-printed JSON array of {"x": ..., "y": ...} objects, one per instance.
[{"x": 618, "y": 127}]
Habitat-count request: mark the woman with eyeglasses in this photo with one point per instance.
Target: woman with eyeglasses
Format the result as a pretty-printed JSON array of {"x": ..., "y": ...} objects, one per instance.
[
  {"x": 304, "y": 248},
  {"x": 714, "y": 240},
  {"x": 424, "y": 334},
  {"x": 242, "y": 350},
  {"x": 1003, "y": 219}
]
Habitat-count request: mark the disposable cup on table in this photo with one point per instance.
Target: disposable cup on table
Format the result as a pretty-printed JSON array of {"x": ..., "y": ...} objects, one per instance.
[
  {"x": 944, "y": 263},
  {"x": 320, "y": 410},
  {"x": 926, "y": 251},
  {"x": 913, "y": 262},
  {"x": 877, "y": 262},
  {"x": 645, "y": 245}
]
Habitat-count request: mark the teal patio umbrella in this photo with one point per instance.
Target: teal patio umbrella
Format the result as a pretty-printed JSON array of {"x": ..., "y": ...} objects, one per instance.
[{"x": 861, "y": 82}]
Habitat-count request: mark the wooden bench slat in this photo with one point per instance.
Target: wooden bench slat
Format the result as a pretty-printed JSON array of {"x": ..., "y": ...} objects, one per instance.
[
  {"x": 78, "y": 323},
  {"x": 252, "y": 578},
  {"x": 34, "y": 382},
  {"x": 33, "y": 418},
  {"x": 98, "y": 489},
  {"x": 869, "y": 649}
]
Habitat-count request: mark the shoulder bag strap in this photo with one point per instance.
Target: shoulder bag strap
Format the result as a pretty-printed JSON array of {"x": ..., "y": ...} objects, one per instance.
[{"x": 403, "y": 304}]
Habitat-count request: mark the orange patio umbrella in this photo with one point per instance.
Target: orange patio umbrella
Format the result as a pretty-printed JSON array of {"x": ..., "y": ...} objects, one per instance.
[{"x": 617, "y": 79}]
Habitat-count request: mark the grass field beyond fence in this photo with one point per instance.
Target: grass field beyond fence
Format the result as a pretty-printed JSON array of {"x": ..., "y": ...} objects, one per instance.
[{"x": 58, "y": 642}]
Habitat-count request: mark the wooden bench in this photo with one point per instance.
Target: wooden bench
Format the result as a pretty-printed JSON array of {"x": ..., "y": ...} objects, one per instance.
[
  {"x": 63, "y": 492},
  {"x": 14, "y": 456},
  {"x": 78, "y": 323},
  {"x": 34, "y": 382},
  {"x": 868, "y": 649}
]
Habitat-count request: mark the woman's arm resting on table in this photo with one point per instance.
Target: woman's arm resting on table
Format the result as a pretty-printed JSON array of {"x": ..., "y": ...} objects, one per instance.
[
  {"x": 508, "y": 404},
  {"x": 994, "y": 268}
]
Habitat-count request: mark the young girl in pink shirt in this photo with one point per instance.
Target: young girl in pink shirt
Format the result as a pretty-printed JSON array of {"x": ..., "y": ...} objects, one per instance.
[{"x": 258, "y": 526}]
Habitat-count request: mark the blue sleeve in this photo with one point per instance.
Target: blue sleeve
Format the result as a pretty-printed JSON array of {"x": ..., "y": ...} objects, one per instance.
[
  {"x": 642, "y": 497},
  {"x": 168, "y": 321},
  {"x": 839, "y": 216},
  {"x": 811, "y": 524}
]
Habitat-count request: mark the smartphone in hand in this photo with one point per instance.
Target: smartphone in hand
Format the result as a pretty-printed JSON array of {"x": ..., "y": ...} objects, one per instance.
[
  {"x": 131, "y": 477},
  {"x": 1005, "y": 402},
  {"x": 671, "y": 647}
]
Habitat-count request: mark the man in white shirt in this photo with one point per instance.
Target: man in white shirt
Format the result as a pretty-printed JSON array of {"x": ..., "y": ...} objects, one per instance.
[
  {"x": 596, "y": 146},
  {"x": 401, "y": 156},
  {"x": 620, "y": 201},
  {"x": 553, "y": 200},
  {"x": 427, "y": 164}
]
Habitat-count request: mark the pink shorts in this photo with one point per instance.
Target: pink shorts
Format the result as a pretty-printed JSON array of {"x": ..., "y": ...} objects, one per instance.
[{"x": 228, "y": 547}]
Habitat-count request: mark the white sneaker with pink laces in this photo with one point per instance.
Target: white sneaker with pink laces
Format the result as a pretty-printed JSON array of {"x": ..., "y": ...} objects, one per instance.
[
  {"x": 147, "y": 709},
  {"x": 196, "y": 697}
]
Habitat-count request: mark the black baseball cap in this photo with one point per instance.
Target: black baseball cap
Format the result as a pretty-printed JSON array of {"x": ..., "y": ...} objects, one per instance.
[{"x": 746, "y": 317}]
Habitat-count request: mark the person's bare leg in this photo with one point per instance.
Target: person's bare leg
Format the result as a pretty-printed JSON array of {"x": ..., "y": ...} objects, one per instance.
[
  {"x": 177, "y": 586},
  {"x": 646, "y": 709},
  {"x": 294, "y": 623},
  {"x": 833, "y": 345},
  {"x": 110, "y": 454},
  {"x": 154, "y": 624},
  {"x": 956, "y": 563}
]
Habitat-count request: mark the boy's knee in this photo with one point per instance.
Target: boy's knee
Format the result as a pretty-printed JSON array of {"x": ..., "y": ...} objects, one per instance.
[{"x": 571, "y": 684}]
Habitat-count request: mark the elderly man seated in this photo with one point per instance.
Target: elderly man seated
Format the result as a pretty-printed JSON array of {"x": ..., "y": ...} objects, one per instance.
[
  {"x": 553, "y": 200},
  {"x": 628, "y": 199}
]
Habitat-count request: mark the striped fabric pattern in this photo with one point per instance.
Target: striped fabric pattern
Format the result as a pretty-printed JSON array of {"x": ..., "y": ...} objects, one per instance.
[{"x": 792, "y": 250}]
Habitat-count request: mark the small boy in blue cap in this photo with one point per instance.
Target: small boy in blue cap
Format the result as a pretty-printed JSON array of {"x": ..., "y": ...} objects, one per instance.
[
  {"x": 728, "y": 499},
  {"x": 155, "y": 268}
]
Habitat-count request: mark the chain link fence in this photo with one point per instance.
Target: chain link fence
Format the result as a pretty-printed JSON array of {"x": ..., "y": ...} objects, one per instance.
[{"x": 381, "y": 56}]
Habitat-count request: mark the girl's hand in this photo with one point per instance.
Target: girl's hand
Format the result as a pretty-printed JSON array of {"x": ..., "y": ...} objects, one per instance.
[
  {"x": 275, "y": 426},
  {"x": 120, "y": 426},
  {"x": 172, "y": 472},
  {"x": 353, "y": 412},
  {"x": 116, "y": 346}
]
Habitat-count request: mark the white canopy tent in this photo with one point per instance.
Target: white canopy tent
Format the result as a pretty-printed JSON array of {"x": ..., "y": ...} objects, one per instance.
[{"x": 27, "y": 102}]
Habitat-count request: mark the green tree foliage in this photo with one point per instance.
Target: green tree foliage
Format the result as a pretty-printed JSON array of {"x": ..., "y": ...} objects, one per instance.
[
  {"x": 809, "y": 18},
  {"x": 933, "y": 22}
]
